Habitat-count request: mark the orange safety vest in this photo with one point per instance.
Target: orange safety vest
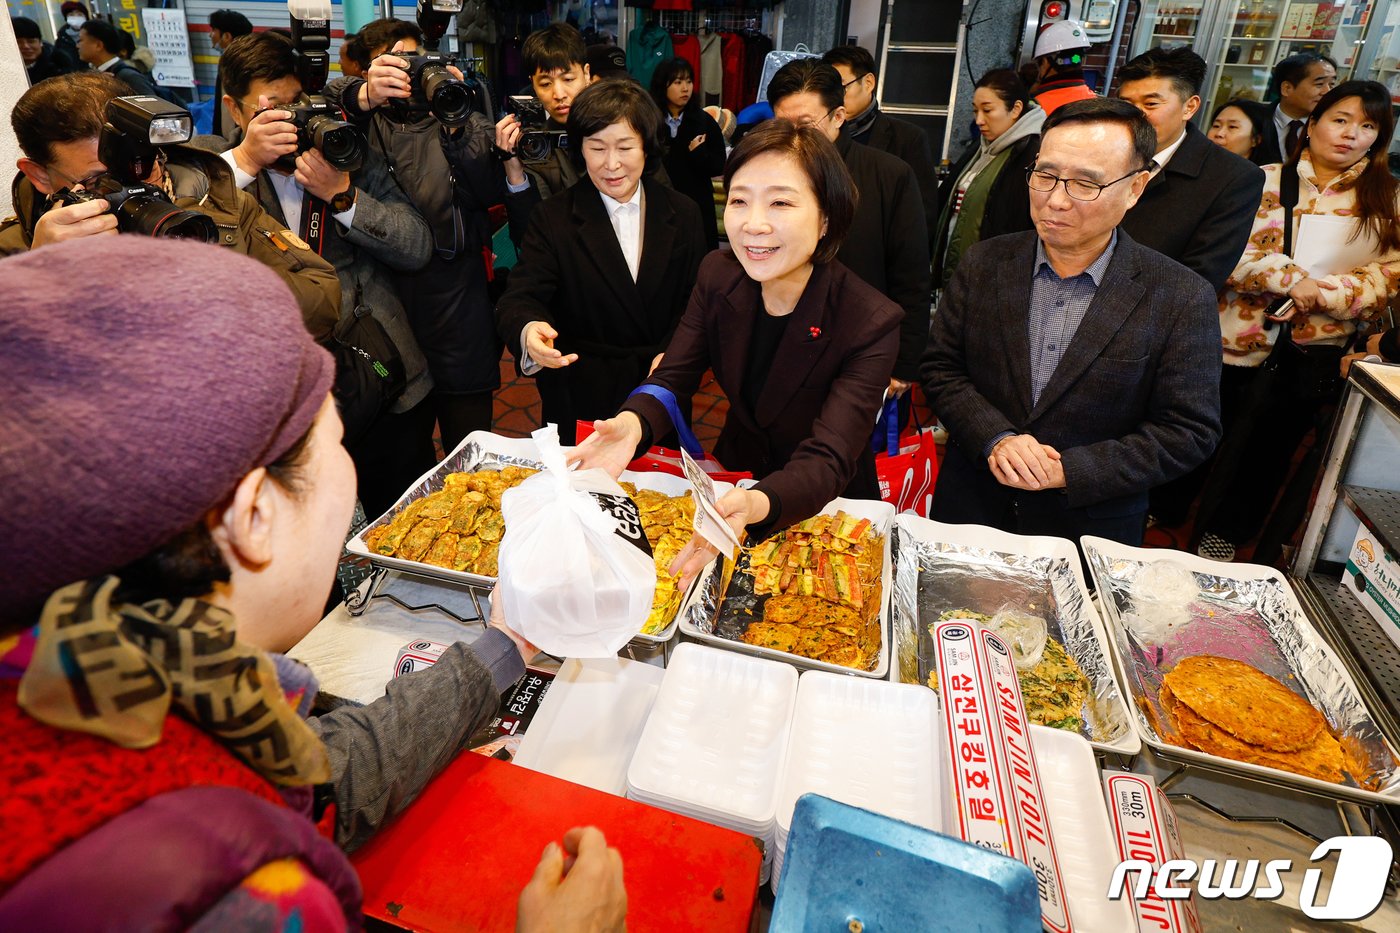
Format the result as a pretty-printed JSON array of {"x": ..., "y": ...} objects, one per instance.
[{"x": 1050, "y": 99}]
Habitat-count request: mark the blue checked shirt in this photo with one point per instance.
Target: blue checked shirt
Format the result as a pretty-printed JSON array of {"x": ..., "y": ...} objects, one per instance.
[{"x": 1057, "y": 309}]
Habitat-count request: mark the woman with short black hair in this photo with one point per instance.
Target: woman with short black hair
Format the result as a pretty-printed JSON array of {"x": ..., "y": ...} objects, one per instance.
[
  {"x": 802, "y": 347},
  {"x": 693, "y": 141},
  {"x": 605, "y": 268},
  {"x": 1239, "y": 126}
]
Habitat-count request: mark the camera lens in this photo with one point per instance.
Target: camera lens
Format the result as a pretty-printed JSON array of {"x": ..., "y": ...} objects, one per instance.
[
  {"x": 340, "y": 143},
  {"x": 150, "y": 215},
  {"x": 449, "y": 98},
  {"x": 533, "y": 147}
]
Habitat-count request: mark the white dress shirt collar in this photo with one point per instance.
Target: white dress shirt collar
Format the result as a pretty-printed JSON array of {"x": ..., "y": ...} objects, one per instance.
[
  {"x": 1165, "y": 156},
  {"x": 109, "y": 63},
  {"x": 626, "y": 217}
]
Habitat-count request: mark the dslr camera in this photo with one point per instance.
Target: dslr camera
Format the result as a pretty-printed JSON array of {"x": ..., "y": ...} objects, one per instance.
[
  {"x": 536, "y": 141},
  {"x": 133, "y": 129},
  {"x": 317, "y": 120},
  {"x": 436, "y": 90}
]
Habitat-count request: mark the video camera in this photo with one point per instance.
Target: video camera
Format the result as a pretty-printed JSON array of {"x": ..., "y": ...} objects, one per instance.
[
  {"x": 317, "y": 120},
  {"x": 536, "y": 140},
  {"x": 134, "y": 128}
]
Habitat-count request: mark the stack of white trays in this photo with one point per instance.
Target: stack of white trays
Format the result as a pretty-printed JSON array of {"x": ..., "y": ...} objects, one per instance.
[
  {"x": 867, "y": 743},
  {"x": 716, "y": 742}
]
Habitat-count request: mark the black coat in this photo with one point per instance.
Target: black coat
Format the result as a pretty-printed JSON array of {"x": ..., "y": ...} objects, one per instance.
[
  {"x": 1200, "y": 208},
  {"x": 49, "y": 64},
  {"x": 887, "y": 244},
  {"x": 807, "y": 439},
  {"x": 573, "y": 276},
  {"x": 1133, "y": 403},
  {"x": 692, "y": 171},
  {"x": 909, "y": 142},
  {"x": 1268, "y": 151}
]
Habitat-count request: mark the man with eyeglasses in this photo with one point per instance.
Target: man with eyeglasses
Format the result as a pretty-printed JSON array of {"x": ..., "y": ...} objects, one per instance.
[
  {"x": 61, "y": 154},
  {"x": 1074, "y": 368},
  {"x": 887, "y": 244},
  {"x": 867, "y": 123}
]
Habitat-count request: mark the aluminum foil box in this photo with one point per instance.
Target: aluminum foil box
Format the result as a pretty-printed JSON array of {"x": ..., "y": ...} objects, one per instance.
[{"x": 1373, "y": 574}]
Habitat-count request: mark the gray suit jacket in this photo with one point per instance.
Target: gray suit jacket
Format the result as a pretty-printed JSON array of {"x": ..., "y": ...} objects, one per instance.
[
  {"x": 1135, "y": 400},
  {"x": 387, "y": 232}
]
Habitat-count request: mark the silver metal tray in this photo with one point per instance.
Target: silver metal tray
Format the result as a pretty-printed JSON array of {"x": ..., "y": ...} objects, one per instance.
[
  {"x": 941, "y": 567},
  {"x": 1248, "y": 613}
]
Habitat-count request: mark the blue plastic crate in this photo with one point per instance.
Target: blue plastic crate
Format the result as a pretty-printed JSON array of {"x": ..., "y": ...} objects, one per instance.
[{"x": 843, "y": 864}]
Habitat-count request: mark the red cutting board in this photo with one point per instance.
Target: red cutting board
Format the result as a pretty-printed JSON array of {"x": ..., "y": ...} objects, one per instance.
[{"x": 458, "y": 858}]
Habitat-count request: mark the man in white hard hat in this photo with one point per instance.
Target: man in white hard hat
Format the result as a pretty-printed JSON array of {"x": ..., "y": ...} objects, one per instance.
[{"x": 1059, "y": 54}]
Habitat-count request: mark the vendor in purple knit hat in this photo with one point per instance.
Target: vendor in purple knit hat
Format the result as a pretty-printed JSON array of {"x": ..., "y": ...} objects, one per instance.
[{"x": 173, "y": 499}]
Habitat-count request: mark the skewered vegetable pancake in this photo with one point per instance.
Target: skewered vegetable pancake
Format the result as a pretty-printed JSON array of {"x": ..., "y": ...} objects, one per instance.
[
  {"x": 835, "y": 557},
  {"x": 1054, "y": 690},
  {"x": 1323, "y": 758},
  {"x": 1245, "y": 702},
  {"x": 667, "y": 522}
]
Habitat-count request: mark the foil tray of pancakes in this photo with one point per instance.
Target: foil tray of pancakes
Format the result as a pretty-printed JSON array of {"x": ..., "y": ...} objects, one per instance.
[
  {"x": 483, "y": 451},
  {"x": 1234, "y": 677},
  {"x": 946, "y": 570}
]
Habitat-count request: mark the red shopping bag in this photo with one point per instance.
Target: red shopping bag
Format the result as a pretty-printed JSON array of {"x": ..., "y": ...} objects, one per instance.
[
  {"x": 907, "y": 467},
  {"x": 664, "y": 459}
]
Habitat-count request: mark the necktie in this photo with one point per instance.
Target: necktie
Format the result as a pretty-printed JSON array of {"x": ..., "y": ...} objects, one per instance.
[{"x": 1295, "y": 127}]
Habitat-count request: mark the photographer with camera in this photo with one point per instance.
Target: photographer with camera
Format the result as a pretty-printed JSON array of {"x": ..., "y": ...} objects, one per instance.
[
  {"x": 421, "y": 117},
  {"x": 63, "y": 125},
  {"x": 356, "y": 219},
  {"x": 607, "y": 267}
]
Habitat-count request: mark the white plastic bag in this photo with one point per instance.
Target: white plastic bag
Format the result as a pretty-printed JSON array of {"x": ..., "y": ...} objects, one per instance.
[
  {"x": 775, "y": 60},
  {"x": 576, "y": 575}
]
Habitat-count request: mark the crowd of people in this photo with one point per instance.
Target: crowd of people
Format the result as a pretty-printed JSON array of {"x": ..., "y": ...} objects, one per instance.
[{"x": 1099, "y": 301}]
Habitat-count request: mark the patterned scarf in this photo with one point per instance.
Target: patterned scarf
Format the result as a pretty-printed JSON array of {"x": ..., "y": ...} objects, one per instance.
[{"x": 115, "y": 670}]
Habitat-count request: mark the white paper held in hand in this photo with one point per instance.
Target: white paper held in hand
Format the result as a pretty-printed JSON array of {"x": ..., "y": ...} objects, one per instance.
[{"x": 708, "y": 523}]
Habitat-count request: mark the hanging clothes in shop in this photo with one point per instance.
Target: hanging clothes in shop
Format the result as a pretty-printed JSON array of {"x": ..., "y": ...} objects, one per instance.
[
  {"x": 711, "y": 71},
  {"x": 688, "y": 48},
  {"x": 732, "y": 59},
  {"x": 647, "y": 48},
  {"x": 756, "y": 49}
]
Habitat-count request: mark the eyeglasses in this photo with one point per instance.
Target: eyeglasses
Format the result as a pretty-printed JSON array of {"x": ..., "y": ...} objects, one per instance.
[
  {"x": 850, "y": 82},
  {"x": 1077, "y": 188},
  {"x": 818, "y": 121}
]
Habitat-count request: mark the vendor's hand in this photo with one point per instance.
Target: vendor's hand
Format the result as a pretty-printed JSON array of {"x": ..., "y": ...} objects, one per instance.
[
  {"x": 319, "y": 177},
  {"x": 898, "y": 387},
  {"x": 697, "y": 142},
  {"x": 576, "y": 889},
  {"x": 528, "y": 652},
  {"x": 1349, "y": 359},
  {"x": 611, "y": 446},
  {"x": 1022, "y": 462},
  {"x": 1373, "y": 343},
  {"x": 739, "y": 508},
  {"x": 386, "y": 80},
  {"x": 539, "y": 343},
  {"x": 73, "y": 222},
  {"x": 269, "y": 137},
  {"x": 655, "y": 362},
  {"x": 1307, "y": 295},
  {"x": 507, "y": 138}
]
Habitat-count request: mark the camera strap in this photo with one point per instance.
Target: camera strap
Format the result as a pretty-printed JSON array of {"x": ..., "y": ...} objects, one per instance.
[{"x": 314, "y": 213}]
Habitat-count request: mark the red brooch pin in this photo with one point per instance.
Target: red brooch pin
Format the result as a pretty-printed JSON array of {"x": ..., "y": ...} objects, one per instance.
[{"x": 815, "y": 332}]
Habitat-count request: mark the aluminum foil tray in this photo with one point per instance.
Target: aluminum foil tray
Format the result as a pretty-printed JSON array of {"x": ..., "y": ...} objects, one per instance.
[
  {"x": 1248, "y": 613},
  {"x": 942, "y": 567},
  {"x": 481, "y": 450},
  {"x": 720, "y": 619}
]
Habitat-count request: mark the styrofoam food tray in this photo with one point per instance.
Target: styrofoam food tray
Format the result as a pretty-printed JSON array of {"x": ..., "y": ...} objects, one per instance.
[
  {"x": 716, "y": 739},
  {"x": 867, "y": 743},
  {"x": 590, "y": 722},
  {"x": 1107, "y": 702},
  {"x": 881, "y": 514},
  {"x": 1084, "y": 841}
]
